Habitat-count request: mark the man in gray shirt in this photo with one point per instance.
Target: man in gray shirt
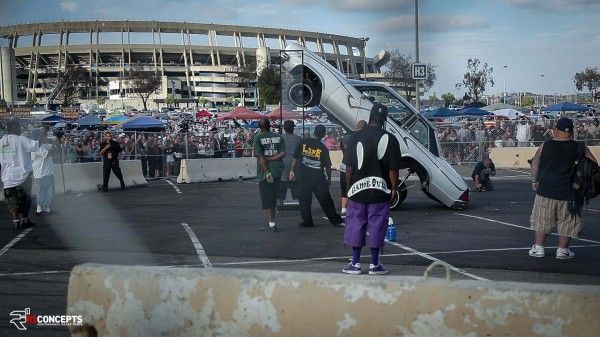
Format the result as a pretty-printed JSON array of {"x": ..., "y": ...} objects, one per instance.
[{"x": 291, "y": 143}]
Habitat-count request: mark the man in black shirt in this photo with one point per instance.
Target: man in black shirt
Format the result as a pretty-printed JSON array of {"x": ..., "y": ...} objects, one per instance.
[
  {"x": 109, "y": 150},
  {"x": 372, "y": 163},
  {"x": 310, "y": 158},
  {"x": 481, "y": 175},
  {"x": 551, "y": 177}
]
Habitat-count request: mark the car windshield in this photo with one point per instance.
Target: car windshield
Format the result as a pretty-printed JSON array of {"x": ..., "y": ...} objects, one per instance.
[{"x": 396, "y": 108}]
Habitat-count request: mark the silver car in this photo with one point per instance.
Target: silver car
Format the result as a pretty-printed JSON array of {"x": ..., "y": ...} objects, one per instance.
[{"x": 308, "y": 80}]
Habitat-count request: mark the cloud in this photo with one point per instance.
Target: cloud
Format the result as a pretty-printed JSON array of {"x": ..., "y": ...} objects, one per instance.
[
  {"x": 558, "y": 5},
  {"x": 431, "y": 23},
  {"x": 356, "y": 5},
  {"x": 69, "y": 5}
]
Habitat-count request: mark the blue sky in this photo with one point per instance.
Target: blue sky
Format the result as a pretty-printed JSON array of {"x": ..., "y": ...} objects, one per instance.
[{"x": 532, "y": 37}]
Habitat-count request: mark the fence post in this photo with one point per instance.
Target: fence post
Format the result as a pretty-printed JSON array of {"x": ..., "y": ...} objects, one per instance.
[
  {"x": 186, "y": 146},
  {"x": 135, "y": 145}
]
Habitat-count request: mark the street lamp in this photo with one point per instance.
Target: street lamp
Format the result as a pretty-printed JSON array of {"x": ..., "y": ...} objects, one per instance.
[
  {"x": 542, "y": 77},
  {"x": 417, "y": 94},
  {"x": 364, "y": 41},
  {"x": 504, "y": 83}
]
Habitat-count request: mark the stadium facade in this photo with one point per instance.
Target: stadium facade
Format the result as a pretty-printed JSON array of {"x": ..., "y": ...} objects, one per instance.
[{"x": 195, "y": 60}]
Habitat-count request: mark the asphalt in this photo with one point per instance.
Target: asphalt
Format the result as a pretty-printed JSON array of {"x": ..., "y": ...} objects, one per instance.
[{"x": 143, "y": 226}]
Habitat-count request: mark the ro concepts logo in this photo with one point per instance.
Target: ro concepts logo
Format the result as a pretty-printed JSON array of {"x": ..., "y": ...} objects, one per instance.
[{"x": 22, "y": 318}]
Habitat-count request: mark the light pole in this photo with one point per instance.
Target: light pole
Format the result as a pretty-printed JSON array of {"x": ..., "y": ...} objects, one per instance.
[
  {"x": 542, "y": 77},
  {"x": 417, "y": 94},
  {"x": 364, "y": 41},
  {"x": 504, "y": 83}
]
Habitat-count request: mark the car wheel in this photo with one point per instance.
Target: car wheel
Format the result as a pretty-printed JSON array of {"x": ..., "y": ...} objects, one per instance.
[{"x": 304, "y": 94}]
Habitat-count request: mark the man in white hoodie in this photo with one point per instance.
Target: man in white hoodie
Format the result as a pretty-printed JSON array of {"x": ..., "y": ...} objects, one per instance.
[
  {"x": 43, "y": 172},
  {"x": 15, "y": 159}
]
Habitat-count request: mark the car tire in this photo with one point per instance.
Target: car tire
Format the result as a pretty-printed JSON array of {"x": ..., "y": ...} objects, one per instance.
[{"x": 304, "y": 94}]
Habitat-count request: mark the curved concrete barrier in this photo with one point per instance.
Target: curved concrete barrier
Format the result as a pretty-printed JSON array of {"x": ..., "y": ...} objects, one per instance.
[
  {"x": 205, "y": 170},
  {"x": 82, "y": 177},
  {"x": 516, "y": 157},
  {"x": 161, "y": 301}
]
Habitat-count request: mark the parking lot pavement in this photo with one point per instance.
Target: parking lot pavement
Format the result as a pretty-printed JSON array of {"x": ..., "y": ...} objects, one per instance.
[{"x": 144, "y": 226}]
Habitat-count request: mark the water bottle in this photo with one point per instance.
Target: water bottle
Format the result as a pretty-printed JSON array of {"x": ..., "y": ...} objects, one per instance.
[{"x": 391, "y": 230}]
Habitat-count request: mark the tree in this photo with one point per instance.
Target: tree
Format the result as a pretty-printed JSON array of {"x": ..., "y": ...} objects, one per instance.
[
  {"x": 31, "y": 101},
  {"x": 144, "y": 83},
  {"x": 433, "y": 100},
  {"x": 399, "y": 74},
  {"x": 170, "y": 100},
  {"x": 244, "y": 76},
  {"x": 448, "y": 99},
  {"x": 77, "y": 83},
  {"x": 588, "y": 79},
  {"x": 269, "y": 86},
  {"x": 527, "y": 101},
  {"x": 101, "y": 100},
  {"x": 229, "y": 100},
  {"x": 476, "y": 79},
  {"x": 203, "y": 101}
]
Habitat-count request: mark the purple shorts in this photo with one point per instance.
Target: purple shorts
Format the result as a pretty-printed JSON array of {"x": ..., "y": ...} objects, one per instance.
[{"x": 366, "y": 217}]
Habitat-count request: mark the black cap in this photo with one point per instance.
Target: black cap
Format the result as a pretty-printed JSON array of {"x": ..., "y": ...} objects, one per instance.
[
  {"x": 319, "y": 131},
  {"x": 565, "y": 124},
  {"x": 378, "y": 113}
]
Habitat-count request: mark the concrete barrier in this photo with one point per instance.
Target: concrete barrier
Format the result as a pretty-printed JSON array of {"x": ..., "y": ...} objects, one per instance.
[
  {"x": 336, "y": 159},
  {"x": 161, "y": 301},
  {"x": 516, "y": 157},
  {"x": 82, "y": 177},
  {"x": 205, "y": 170}
]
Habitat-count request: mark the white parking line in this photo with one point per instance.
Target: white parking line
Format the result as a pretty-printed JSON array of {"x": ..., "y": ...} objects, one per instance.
[
  {"x": 518, "y": 226},
  {"x": 198, "y": 246},
  {"x": 175, "y": 187},
  {"x": 519, "y": 171},
  {"x": 431, "y": 258},
  {"x": 14, "y": 241}
]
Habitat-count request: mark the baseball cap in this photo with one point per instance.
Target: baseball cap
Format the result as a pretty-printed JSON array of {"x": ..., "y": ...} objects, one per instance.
[{"x": 565, "y": 124}]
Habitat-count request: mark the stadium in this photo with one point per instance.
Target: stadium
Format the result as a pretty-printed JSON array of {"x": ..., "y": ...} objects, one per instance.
[{"x": 194, "y": 59}]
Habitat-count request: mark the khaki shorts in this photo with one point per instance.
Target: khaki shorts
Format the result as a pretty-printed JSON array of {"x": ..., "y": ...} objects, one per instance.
[{"x": 549, "y": 213}]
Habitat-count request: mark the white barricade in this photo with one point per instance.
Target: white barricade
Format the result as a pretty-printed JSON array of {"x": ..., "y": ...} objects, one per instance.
[
  {"x": 205, "y": 170},
  {"x": 81, "y": 177}
]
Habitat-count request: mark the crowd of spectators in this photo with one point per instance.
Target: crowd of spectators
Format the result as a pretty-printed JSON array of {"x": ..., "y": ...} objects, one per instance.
[{"x": 469, "y": 142}]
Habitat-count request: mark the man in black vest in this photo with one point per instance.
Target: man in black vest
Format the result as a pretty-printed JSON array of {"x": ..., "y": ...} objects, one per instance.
[
  {"x": 110, "y": 150},
  {"x": 551, "y": 177}
]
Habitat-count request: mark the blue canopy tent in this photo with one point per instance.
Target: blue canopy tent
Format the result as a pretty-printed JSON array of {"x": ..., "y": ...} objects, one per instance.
[
  {"x": 475, "y": 112},
  {"x": 439, "y": 113},
  {"x": 143, "y": 123},
  {"x": 315, "y": 110},
  {"x": 88, "y": 122},
  {"x": 474, "y": 105},
  {"x": 118, "y": 119},
  {"x": 565, "y": 106},
  {"x": 53, "y": 119}
]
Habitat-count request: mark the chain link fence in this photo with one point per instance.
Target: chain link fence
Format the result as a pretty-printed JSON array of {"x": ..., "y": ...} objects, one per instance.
[{"x": 469, "y": 142}]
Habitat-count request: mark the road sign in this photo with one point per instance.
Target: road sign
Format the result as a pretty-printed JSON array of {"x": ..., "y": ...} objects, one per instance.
[{"x": 419, "y": 71}]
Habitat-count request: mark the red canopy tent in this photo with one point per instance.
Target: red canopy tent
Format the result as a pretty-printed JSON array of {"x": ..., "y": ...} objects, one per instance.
[
  {"x": 242, "y": 113},
  {"x": 287, "y": 114},
  {"x": 203, "y": 113}
]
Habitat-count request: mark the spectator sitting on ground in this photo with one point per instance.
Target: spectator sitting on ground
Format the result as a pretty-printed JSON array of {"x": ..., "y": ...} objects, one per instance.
[{"x": 481, "y": 175}]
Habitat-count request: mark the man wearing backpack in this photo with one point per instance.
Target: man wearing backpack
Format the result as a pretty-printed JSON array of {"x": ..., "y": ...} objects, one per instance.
[{"x": 551, "y": 170}]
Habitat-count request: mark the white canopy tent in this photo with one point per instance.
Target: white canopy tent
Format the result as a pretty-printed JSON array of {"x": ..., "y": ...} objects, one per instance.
[{"x": 510, "y": 113}]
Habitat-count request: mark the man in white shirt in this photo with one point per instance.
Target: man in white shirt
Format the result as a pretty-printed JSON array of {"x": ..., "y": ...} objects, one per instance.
[
  {"x": 523, "y": 131},
  {"x": 43, "y": 172},
  {"x": 15, "y": 159}
]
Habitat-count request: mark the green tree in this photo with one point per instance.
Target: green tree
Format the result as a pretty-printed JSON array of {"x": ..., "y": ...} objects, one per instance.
[
  {"x": 77, "y": 83},
  {"x": 229, "y": 100},
  {"x": 399, "y": 74},
  {"x": 448, "y": 99},
  {"x": 269, "y": 86},
  {"x": 433, "y": 100},
  {"x": 170, "y": 100},
  {"x": 476, "y": 78},
  {"x": 203, "y": 101},
  {"x": 527, "y": 101},
  {"x": 31, "y": 101},
  {"x": 588, "y": 79},
  {"x": 244, "y": 76},
  {"x": 101, "y": 100},
  {"x": 144, "y": 83}
]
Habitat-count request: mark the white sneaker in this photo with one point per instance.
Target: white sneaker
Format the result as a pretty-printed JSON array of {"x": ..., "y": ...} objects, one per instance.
[
  {"x": 39, "y": 209},
  {"x": 46, "y": 208},
  {"x": 537, "y": 251},
  {"x": 564, "y": 254}
]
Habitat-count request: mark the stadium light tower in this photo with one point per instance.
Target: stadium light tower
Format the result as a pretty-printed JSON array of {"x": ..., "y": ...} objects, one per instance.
[
  {"x": 504, "y": 83},
  {"x": 542, "y": 77}
]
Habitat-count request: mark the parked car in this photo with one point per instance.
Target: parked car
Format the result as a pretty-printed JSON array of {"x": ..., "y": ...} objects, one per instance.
[{"x": 311, "y": 81}]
